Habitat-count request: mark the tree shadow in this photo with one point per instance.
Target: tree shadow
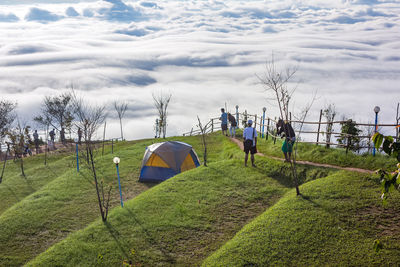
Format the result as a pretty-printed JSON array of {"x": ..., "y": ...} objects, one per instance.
[{"x": 149, "y": 238}]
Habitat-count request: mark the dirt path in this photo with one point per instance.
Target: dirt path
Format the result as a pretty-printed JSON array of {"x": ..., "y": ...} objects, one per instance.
[{"x": 240, "y": 144}]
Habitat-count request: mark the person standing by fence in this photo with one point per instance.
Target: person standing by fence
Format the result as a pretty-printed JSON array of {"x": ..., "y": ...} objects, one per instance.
[
  {"x": 290, "y": 137},
  {"x": 79, "y": 135},
  {"x": 36, "y": 141},
  {"x": 224, "y": 122},
  {"x": 232, "y": 128},
  {"x": 249, "y": 143},
  {"x": 52, "y": 137}
]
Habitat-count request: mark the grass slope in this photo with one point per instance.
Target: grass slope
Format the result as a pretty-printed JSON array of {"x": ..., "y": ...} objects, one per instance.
[
  {"x": 334, "y": 222},
  {"x": 65, "y": 204},
  {"x": 15, "y": 187},
  {"x": 178, "y": 222}
]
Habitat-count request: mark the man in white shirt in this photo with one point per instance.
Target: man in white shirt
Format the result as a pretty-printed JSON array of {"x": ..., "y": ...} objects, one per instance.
[{"x": 250, "y": 142}]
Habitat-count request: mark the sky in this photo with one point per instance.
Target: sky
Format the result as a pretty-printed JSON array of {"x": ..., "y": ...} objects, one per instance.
[{"x": 206, "y": 54}]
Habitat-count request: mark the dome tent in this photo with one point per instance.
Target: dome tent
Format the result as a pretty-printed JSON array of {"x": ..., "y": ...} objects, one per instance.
[{"x": 164, "y": 160}]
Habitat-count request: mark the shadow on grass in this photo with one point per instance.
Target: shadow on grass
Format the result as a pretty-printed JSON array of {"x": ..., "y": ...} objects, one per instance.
[{"x": 149, "y": 238}]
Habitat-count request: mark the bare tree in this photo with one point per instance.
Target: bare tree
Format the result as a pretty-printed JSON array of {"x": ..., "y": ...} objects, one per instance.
[
  {"x": 56, "y": 111},
  {"x": 276, "y": 81},
  {"x": 7, "y": 116},
  {"x": 161, "y": 103},
  {"x": 90, "y": 118},
  {"x": 203, "y": 138},
  {"x": 329, "y": 113},
  {"x": 121, "y": 107},
  {"x": 44, "y": 120},
  {"x": 19, "y": 137}
]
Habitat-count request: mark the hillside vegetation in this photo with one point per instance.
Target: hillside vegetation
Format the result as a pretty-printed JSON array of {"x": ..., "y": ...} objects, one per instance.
[{"x": 225, "y": 214}]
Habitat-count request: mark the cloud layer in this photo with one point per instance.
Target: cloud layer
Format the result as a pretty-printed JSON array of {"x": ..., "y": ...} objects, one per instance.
[{"x": 206, "y": 53}]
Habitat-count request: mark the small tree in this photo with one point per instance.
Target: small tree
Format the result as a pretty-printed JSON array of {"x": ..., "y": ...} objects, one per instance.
[
  {"x": 120, "y": 108},
  {"x": 18, "y": 140},
  {"x": 7, "y": 116},
  {"x": 349, "y": 135},
  {"x": 161, "y": 104},
  {"x": 276, "y": 81},
  {"x": 89, "y": 118},
  {"x": 56, "y": 111},
  {"x": 329, "y": 113},
  {"x": 203, "y": 138}
]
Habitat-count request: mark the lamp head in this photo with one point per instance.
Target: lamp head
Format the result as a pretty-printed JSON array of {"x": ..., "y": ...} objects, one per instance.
[
  {"x": 116, "y": 160},
  {"x": 264, "y": 109},
  {"x": 377, "y": 109}
]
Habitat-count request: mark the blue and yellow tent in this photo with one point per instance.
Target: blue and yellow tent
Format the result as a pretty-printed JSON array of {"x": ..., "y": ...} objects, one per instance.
[{"x": 164, "y": 160}]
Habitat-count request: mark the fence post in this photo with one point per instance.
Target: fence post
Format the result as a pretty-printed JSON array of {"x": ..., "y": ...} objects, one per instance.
[
  {"x": 319, "y": 126},
  {"x": 104, "y": 137},
  {"x": 275, "y": 133},
  {"x": 290, "y": 117},
  {"x": 237, "y": 116},
  {"x": 255, "y": 121},
  {"x": 156, "y": 128},
  {"x": 263, "y": 122},
  {"x": 212, "y": 125},
  {"x": 398, "y": 123},
  {"x": 112, "y": 145},
  {"x": 267, "y": 133}
]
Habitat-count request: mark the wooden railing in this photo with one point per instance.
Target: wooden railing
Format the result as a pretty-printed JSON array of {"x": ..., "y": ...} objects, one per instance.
[{"x": 267, "y": 128}]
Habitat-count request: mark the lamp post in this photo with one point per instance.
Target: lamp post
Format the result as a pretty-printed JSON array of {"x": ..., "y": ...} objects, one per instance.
[
  {"x": 237, "y": 116},
  {"x": 264, "y": 109},
  {"x": 376, "y": 110},
  {"x": 116, "y": 161}
]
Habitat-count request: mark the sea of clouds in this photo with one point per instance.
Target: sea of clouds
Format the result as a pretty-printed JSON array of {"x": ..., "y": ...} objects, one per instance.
[{"x": 205, "y": 53}]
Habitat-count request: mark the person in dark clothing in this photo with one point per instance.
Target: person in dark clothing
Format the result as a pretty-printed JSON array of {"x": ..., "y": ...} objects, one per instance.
[
  {"x": 232, "y": 128},
  {"x": 286, "y": 130},
  {"x": 52, "y": 137},
  {"x": 62, "y": 136},
  {"x": 79, "y": 135},
  {"x": 36, "y": 141}
]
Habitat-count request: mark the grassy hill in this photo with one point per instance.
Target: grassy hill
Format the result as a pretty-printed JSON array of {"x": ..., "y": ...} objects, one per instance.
[{"x": 192, "y": 217}]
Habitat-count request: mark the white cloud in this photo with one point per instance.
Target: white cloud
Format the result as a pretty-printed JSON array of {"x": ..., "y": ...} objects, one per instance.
[{"x": 204, "y": 52}]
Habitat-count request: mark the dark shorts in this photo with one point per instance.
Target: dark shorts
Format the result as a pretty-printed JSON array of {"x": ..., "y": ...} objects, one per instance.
[
  {"x": 248, "y": 147},
  {"x": 224, "y": 127}
]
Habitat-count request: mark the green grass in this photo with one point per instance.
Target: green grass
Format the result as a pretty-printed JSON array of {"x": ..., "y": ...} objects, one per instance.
[
  {"x": 16, "y": 187},
  {"x": 334, "y": 222},
  {"x": 178, "y": 222},
  {"x": 333, "y": 156},
  {"x": 53, "y": 201},
  {"x": 51, "y": 217}
]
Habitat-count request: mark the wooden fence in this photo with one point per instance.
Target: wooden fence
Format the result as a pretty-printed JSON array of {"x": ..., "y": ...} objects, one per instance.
[{"x": 267, "y": 129}]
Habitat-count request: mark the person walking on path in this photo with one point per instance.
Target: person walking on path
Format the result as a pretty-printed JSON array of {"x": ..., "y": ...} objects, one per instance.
[
  {"x": 286, "y": 130},
  {"x": 224, "y": 122},
  {"x": 36, "y": 141},
  {"x": 249, "y": 143},
  {"x": 232, "y": 128}
]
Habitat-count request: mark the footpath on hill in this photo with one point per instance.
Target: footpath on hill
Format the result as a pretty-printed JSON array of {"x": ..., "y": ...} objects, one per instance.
[{"x": 240, "y": 144}]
